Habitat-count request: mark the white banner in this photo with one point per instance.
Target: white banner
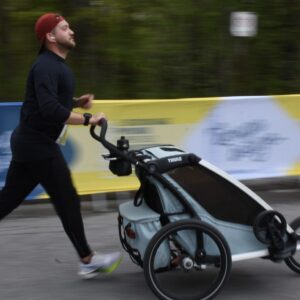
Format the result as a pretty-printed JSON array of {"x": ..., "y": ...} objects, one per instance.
[{"x": 249, "y": 137}]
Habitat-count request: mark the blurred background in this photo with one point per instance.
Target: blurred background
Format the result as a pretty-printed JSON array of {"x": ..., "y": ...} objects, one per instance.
[{"x": 137, "y": 49}]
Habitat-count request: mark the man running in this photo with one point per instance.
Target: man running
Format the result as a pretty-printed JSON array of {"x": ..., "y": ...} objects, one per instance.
[{"x": 36, "y": 155}]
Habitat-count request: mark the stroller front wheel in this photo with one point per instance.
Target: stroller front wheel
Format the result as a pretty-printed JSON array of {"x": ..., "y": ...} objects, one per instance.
[
  {"x": 187, "y": 259},
  {"x": 293, "y": 262}
]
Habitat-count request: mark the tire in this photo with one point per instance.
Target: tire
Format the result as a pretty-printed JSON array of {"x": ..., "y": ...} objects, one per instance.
[
  {"x": 185, "y": 272},
  {"x": 293, "y": 262}
]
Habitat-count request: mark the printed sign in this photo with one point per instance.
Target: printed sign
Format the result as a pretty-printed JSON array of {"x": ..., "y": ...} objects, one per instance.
[{"x": 243, "y": 24}]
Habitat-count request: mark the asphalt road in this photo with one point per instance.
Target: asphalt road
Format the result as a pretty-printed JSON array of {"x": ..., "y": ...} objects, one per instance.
[{"x": 39, "y": 263}]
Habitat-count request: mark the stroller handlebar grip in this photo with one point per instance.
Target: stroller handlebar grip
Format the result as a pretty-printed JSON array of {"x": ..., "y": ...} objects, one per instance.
[{"x": 101, "y": 137}]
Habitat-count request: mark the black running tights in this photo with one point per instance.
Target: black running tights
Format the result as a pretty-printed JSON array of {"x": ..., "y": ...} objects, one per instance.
[{"x": 55, "y": 177}]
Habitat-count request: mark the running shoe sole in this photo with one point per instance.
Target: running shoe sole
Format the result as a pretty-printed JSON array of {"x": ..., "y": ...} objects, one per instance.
[{"x": 107, "y": 270}]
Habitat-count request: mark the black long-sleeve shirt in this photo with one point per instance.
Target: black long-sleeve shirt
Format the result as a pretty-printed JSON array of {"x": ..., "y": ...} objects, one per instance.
[{"x": 47, "y": 105}]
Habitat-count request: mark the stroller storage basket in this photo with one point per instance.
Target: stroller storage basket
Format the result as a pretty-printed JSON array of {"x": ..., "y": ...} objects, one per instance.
[{"x": 137, "y": 226}]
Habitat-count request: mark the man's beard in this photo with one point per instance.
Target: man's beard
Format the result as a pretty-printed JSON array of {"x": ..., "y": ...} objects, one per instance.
[{"x": 67, "y": 45}]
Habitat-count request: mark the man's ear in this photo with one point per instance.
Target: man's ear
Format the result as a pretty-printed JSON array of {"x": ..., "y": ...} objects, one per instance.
[{"x": 50, "y": 37}]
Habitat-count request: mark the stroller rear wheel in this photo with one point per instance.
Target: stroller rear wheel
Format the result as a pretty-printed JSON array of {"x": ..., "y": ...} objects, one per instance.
[
  {"x": 293, "y": 262},
  {"x": 198, "y": 265}
]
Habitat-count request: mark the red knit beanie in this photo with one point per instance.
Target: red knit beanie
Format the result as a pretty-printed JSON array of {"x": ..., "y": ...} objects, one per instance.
[{"x": 45, "y": 24}]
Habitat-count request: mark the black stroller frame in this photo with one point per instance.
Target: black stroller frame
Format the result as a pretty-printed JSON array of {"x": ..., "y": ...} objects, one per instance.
[{"x": 181, "y": 227}]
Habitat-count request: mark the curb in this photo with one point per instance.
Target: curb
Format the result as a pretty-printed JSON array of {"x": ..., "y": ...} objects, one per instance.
[
  {"x": 108, "y": 201},
  {"x": 273, "y": 183}
]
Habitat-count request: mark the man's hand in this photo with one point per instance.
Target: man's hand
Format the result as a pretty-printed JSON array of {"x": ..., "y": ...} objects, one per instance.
[
  {"x": 85, "y": 101},
  {"x": 95, "y": 119}
]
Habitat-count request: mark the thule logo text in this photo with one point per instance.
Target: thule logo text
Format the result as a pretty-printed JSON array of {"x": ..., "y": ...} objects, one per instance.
[{"x": 174, "y": 159}]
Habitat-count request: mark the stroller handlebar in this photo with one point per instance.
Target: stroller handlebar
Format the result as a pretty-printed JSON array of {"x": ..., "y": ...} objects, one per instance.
[
  {"x": 134, "y": 157},
  {"x": 114, "y": 150},
  {"x": 101, "y": 137}
]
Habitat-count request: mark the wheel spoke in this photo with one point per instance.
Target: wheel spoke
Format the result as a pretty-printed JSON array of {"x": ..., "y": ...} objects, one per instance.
[{"x": 185, "y": 276}]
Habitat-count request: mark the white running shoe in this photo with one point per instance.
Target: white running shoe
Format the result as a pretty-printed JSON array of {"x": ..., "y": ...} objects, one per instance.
[{"x": 105, "y": 263}]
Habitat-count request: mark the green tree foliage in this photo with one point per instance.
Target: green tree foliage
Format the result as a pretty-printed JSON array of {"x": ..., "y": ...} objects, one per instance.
[{"x": 159, "y": 49}]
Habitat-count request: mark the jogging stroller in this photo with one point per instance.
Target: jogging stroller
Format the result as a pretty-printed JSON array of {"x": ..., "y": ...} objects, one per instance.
[{"x": 190, "y": 220}]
